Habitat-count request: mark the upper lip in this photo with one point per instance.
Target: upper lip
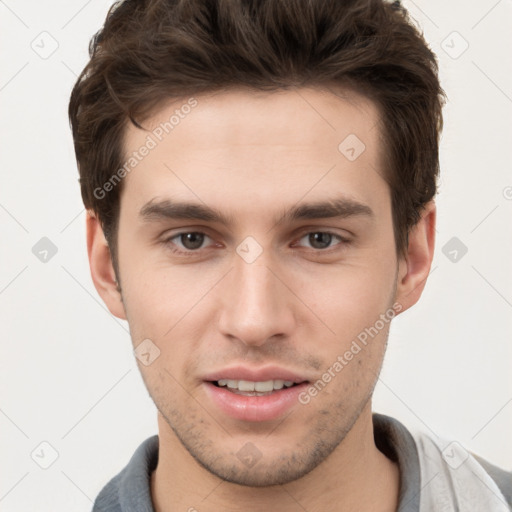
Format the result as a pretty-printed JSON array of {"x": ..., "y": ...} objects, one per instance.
[{"x": 255, "y": 374}]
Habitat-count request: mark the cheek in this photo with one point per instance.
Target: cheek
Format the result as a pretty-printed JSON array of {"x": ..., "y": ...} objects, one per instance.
[
  {"x": 155, "y": 291},
  {"x": 172, "y": 307},
  {"x": 349, "y": 298}
]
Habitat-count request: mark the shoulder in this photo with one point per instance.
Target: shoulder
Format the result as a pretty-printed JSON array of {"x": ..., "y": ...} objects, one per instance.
[
  {"x": 501, "y": 477},
  {"x": 130, "y": 489},
  {"x": 460, "y": 477},
  {"x": 439, "y": 472}
]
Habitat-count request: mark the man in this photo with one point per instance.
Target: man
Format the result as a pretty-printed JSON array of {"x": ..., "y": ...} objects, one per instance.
[{"x": 260, "y": 182}]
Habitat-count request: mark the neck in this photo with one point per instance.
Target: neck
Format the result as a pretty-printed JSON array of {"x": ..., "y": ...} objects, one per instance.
[{"x": 356, "y": 476}]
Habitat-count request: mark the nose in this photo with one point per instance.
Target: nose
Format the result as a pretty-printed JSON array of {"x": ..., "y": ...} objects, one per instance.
[{"x": 256, "y": 305}]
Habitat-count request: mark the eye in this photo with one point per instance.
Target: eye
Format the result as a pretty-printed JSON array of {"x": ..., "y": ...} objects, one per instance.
[
  {"x": 322, "y": 239},
  {"x": 191, "y": 241}
]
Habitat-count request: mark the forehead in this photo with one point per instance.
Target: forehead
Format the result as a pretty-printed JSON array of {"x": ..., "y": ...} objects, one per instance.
[
  {"x": 245, "y": 148},
  {"x": 305, "y": 116}
]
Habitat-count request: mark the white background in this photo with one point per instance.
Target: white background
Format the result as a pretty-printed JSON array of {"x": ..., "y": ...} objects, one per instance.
[{"x": 68, "y": 376}]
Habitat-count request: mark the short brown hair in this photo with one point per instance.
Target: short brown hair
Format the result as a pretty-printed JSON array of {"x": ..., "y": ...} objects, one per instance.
[{"x": 151, "y": 51}]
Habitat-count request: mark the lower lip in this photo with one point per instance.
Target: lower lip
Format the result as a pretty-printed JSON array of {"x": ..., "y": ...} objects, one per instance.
[{"x": 254, "y": 408}]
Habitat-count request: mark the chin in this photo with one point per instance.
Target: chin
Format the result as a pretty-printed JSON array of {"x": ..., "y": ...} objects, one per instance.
[
  {"x": 263, "y": 476},
  {"x": 271, "y": 469}
]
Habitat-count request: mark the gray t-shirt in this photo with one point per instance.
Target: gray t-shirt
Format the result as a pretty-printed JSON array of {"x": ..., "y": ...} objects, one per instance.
[{"x": 129, "y": 491}]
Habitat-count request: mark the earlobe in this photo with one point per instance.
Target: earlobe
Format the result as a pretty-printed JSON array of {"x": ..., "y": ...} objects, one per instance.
[
  {"x": 102, "y": 270},
  {"x": 414, "y": 268}
]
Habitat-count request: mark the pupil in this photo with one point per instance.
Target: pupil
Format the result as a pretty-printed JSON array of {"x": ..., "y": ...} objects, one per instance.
[
  {"x": 320, "y": 240},
  {"x": 192, "y": 240}
]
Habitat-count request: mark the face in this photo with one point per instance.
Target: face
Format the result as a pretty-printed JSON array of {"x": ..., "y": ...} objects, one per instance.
[{"x": 256, "y": 245}]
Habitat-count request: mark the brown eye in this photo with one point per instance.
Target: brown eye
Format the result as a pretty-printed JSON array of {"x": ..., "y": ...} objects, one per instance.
[
  {"x": 322, "y": 239},
  {"x": 192, "y": 240},
  {"x": 187, "y": 241}
]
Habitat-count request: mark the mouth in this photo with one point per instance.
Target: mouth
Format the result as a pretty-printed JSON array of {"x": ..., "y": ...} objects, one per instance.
[
  {"x": 254, "y": 388},
  {"x": 254, "y": 394}
]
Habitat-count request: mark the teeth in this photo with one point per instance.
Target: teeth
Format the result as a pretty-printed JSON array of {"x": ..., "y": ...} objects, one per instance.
[
  {"x": 268, "y": 385},
  {"x": 261, "y": 386},
  {"x": 278, "y": 384},
  {"x": 246, "y": 385}
]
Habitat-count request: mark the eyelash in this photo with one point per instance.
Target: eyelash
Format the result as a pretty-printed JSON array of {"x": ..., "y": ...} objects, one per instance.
[{"x": 191, "y": 252}]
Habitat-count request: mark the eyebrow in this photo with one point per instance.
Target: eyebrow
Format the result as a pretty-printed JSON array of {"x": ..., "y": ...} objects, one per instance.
[{"x": 335, "y": 208}]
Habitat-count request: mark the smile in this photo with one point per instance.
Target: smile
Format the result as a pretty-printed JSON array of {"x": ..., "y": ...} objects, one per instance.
[{"x": 254, "y": 388}]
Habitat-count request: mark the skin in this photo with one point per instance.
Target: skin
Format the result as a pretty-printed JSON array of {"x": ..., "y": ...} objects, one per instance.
[{"x": 299, "y": 305}]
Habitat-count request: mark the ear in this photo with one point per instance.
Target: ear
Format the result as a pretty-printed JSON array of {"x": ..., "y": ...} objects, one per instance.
[
  {"x": 102, "y": 270},
  {"x": 413, "y": 269}
]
